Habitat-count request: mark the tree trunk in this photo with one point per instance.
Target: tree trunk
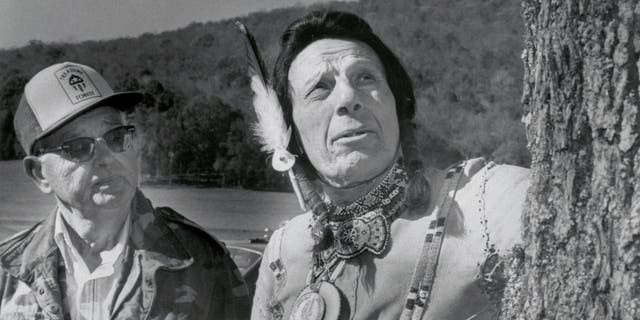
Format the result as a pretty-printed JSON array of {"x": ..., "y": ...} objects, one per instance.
[{"x": 582, "y": 225}]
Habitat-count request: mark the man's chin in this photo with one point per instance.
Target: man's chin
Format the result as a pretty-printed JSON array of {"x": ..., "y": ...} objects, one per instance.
[{"x": 354, "y": 171}]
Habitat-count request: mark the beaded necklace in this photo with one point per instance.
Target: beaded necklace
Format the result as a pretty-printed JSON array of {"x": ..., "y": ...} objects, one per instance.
[
  {"x": 361, "y": 226},
  {"x": 364, "y": 225}
]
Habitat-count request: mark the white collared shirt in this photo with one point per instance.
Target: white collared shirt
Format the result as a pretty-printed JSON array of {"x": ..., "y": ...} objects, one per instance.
[{"x": 88, "y": 294}]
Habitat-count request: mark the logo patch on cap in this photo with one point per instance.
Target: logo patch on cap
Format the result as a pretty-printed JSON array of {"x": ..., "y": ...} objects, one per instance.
[{"x": 76, "y": 84}]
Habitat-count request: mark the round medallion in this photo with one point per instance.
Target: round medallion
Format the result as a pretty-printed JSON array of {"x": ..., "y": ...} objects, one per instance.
[
  {"x": 308, "y": 305},
  {"x": 282, "y": 160},
  {"x": 352, "y": 236},
  {"x": 323, "y": 304}
]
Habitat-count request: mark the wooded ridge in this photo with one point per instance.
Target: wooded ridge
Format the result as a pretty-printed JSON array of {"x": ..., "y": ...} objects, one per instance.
[{"x": 463, "y": 56}]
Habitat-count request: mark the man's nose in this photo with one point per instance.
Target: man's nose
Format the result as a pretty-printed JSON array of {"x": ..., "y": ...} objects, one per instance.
[
  {"x": 347, "y": 100},
  {"x": 103, "y": 155}
]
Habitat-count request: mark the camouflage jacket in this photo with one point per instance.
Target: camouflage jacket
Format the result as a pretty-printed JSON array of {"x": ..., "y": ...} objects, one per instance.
[{"x": 183, "y": 273}]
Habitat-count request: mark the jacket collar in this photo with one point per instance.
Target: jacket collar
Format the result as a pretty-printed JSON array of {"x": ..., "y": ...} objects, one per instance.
[
  {"x": 34, "y": 251},
  {"x": 152, "y": 237}
]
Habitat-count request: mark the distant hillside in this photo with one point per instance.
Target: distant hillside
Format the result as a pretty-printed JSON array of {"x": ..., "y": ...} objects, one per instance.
[{"x": 463, "y": 56}]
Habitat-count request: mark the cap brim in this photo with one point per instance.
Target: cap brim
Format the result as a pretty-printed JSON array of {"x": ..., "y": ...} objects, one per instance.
[{"x": 121, "y": 100}]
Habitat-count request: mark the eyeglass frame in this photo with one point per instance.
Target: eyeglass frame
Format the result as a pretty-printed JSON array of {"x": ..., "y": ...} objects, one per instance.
[{"x": 131, "y": 129}]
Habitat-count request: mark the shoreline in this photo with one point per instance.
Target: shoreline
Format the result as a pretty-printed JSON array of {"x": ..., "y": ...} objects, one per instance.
[{"x": 228, "y": 213}]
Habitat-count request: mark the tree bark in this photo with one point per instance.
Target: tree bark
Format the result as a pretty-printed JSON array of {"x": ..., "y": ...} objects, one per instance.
[{"x": 582, "y": 224}]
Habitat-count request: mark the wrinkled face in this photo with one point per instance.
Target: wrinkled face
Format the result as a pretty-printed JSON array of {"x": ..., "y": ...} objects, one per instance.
[
  {"x": 344, "y": 111},
  {"x": 106, "y": 181}
]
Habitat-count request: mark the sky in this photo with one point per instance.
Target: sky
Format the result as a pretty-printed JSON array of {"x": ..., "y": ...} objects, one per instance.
[{"x": 78, "y": 20}]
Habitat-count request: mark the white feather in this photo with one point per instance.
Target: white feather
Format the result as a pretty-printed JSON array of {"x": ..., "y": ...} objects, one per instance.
[{"x": 271, "y": 130}]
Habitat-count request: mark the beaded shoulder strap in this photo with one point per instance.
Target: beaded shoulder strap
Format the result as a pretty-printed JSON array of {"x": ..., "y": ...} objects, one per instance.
[{"x": 425, "y": 270}]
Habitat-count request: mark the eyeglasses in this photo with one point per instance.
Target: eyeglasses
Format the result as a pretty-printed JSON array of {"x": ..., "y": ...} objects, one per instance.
[{"x": 82, "y": 149}]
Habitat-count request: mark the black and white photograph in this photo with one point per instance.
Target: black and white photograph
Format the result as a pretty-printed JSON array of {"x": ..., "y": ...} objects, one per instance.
[{"x": 320, "y": 159}]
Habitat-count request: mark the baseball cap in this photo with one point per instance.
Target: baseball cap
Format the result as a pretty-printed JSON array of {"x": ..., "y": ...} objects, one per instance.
[{"x": 58, "y": 94}]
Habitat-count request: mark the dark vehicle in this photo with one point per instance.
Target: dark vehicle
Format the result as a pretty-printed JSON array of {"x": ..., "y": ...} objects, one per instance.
[{"x": 247, "y": 255}]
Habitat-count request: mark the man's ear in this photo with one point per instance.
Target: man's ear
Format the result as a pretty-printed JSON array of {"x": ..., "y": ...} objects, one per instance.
[
  {"x": 129, "y": 118},
  {"x": 33, "y": 166},
  {"x": 138, "y": 143}
]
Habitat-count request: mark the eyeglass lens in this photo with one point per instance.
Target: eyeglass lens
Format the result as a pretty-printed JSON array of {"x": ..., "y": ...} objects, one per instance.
[{"x": 82, "y": 149}]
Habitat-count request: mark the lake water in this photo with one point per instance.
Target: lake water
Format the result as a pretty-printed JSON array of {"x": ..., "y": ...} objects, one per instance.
[{"x": 228, "y": 213}]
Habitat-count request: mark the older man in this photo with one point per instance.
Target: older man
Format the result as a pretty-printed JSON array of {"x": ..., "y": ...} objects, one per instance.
[
  {"x": 387, "y": 239},
  {"x": 105, "y": 252}
]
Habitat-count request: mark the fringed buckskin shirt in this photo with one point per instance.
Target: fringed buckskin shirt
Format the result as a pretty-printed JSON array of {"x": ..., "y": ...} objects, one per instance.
[
  {"x": 376, "y": 287},
  {"x": 173, "y": 270}
]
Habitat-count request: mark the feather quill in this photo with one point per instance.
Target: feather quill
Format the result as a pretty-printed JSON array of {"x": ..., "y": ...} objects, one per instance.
[{"x": 270, "y": 129}]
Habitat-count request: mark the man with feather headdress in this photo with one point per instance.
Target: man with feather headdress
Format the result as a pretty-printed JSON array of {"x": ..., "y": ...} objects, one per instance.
[{"x": 384, "y": 238}]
